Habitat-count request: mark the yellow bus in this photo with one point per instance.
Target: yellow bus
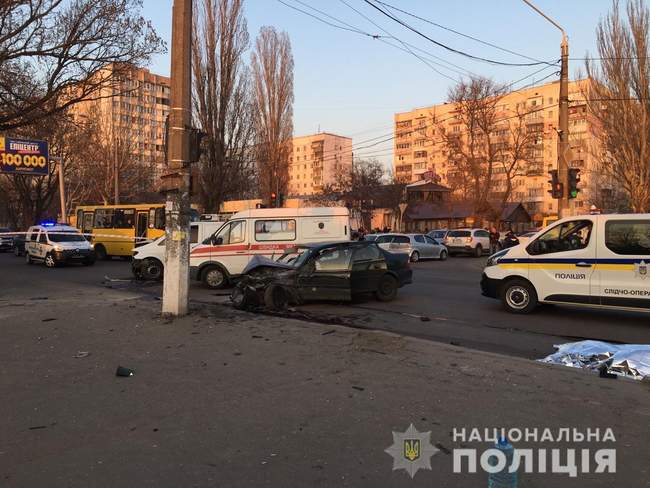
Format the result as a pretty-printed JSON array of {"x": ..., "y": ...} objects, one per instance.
[{"x": 122, "y": 225}]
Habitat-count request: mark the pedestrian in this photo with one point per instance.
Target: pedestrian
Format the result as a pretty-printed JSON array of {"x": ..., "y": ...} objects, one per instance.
[
  {"x": 510, "y": 239},
  {"x": 494, "y": 240}
]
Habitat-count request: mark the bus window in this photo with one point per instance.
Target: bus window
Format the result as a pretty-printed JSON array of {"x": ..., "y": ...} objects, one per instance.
[
  {"x": 159, "y": 221},
  {"x": 104, "y": 218},
  {"x": 124, "y": 218},
  {"x": 80, "y": 217}
]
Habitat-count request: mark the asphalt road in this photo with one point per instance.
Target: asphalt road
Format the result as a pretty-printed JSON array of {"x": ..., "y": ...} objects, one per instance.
[{"x": 443, "y": 304}]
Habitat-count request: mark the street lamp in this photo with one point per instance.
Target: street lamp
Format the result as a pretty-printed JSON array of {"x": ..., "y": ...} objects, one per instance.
[{"x": 563, "y": 123}]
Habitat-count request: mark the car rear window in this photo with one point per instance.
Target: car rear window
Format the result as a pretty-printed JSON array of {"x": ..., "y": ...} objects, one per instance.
[{"x": 459, "y": 233}]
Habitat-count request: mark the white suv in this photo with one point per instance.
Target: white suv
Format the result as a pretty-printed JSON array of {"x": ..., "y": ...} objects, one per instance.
[
  {"x": 57, "y": 244},
  {"x": 468, "y": 241}
]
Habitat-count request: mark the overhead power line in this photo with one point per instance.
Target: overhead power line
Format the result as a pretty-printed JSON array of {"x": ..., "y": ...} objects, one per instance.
[
  {"x": 467, "y": 36},
  {"x": 449, "y": 48}
]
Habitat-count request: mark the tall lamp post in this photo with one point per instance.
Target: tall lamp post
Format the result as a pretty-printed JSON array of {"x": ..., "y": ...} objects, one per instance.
[{"x": 563, "y": 203}]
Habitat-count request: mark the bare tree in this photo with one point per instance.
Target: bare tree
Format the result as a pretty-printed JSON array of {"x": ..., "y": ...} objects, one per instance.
[
  {"x": 272, "y": 65},
  {"x": 471, "y": 149},
  {"x": 52, "y": 53},
  {"x": 222, "y": 101},
  {"x": 111, "y": 159},
  {"x": 619, "y": 99}
]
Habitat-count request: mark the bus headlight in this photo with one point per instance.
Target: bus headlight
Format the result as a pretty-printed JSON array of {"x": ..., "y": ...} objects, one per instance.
[{"x": 496, "y": 257}]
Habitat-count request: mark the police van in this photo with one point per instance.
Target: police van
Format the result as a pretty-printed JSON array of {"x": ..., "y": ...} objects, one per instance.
[
  {"x": 589, "y": 260},
  {"x": 55, "y": 244},
  {"x": 267, "y": 232}
]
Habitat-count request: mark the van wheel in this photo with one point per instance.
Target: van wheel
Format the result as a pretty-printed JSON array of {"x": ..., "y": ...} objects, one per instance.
[
  {"x": 478, "y": 251},
  {"x": 387, "y": 289},
  {"x": 152, "y": 269},
  {"x": 519, "y": 296},
  {"x": 214, "y": 277},
  {"x": 443, "y": 255},
  {"x": 28, "y": 258},
  {"x": 49, "y": 260},
  {"x": 415, "y": 257},
  {"x": 100, "y": 252}
]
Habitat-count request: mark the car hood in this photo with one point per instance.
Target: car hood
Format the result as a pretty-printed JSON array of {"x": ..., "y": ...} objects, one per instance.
[
  {"x": 263, "y": 261},
  {"x": 73, "y": 245}
]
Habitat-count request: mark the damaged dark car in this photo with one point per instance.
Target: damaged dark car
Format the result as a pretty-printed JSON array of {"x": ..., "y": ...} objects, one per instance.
[{"x": 329, "y": 272}]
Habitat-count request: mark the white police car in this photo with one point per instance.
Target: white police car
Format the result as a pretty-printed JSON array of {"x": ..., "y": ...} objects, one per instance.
[
  {"x": 589, "y": 260},
  {"x": 55, "y": 244}
]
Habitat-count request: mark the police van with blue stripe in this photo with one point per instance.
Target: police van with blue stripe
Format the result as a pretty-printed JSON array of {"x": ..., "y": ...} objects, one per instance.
[{"x": 587, "y": 260}]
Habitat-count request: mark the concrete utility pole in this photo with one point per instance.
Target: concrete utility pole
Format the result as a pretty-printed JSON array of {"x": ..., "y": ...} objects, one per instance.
[
  {"x": 177, "y": 182},
  {"x": 563, "y": 203},
  {"x": 60, "y": 170},
  {"x": 116, "y": 175}
]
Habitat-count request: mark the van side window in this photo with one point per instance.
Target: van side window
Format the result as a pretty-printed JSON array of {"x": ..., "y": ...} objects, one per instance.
[
  {"x": 42, "y": 239},
  {"x": 569, "y": 236},
  {"x": 33, "y": 236},
  {"x": 628, "y": 237},
  {"x": 275, "y": 230},
  {"x": 194, "y": 234}
]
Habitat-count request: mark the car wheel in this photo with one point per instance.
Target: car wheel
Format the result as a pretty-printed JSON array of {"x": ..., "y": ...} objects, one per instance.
[
  {"x": 100, "y": 252},
  {"x": 443, "y": 255},
  {"x": 214, "y": 277},
  {"x": 49, "y": 260},
  {"x": 387, "y": 289},
  {"x": 415, "y": 257},
  {"x": 152, "y": 269},
  {"x": 519, "y": 296},
  {"x": 28, "y": 258},
  {"x": 275, "y": 297},
  {"x": 478, "y": 251}
]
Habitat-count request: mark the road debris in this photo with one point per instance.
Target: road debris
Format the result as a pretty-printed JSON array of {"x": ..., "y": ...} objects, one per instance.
[
  {"x": 81, "y": 354},
  {"x": 124, "y": 372},
  {"x": 628, "y": 360}
]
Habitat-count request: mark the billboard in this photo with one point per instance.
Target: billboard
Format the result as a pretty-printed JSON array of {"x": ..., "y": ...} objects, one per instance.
[{"x": 24, "y": 157}]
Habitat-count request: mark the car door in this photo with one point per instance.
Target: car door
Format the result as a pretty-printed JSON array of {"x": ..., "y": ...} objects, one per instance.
[
  {"x": 622, "y": 275},
  {"x": 419, "y": 244},
  {"x": 368, "y": 267},
  {"x": 562, "y": 261},
  {"x": 230, "y": 246},
  {"x": 434, "y": 246},
  {"x": 31, "y": 241},
  {"x": 326, "y": 276},
  {"x": 41, "y": 246}
]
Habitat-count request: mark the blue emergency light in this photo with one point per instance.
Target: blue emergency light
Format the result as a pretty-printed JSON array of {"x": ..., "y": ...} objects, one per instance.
[{"x": 48, "y": 223}]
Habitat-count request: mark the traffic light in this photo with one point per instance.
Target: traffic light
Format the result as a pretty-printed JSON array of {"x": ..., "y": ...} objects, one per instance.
[
  {"x": 273, "y": 202},
  {"x": 557, "y": 188},
  {"x": 574, "y": 179}
]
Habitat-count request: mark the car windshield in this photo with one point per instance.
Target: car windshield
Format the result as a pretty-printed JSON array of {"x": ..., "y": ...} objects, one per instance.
[
  {"x": 294, "y": 256},
  {"x": 459, "y": 233},
  {"x": 65, "y": 236}
]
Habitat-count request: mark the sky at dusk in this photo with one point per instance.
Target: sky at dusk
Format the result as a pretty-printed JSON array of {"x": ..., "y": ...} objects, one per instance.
[{"x": 351, "y": 84}]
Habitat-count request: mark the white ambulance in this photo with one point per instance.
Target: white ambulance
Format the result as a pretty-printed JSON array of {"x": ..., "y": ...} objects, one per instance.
[
  {"x": 267, "y": 232},
  {"x": 588, "y": 260}
]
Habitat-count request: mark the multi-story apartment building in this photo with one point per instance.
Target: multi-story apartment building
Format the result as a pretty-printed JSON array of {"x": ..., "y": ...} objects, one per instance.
[
  {"x": 419, "y": 148},
  {"x": 135, "y": 109},
  {"x": 317, "y": 161}
]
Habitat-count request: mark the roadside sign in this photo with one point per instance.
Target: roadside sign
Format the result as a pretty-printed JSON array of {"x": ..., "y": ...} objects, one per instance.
[{"x": 22, "y": 156}]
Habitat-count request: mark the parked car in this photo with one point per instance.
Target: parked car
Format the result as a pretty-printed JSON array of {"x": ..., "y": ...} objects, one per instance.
[
  {"x": 6, "y": 241},
  {"x": 334, "y": 271},
  {"x": 417, "y": 246},
  {"x": 55, "y": 244},
  {"x": 438, "y": 234},
  {"x": 474, "y": 242}
]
